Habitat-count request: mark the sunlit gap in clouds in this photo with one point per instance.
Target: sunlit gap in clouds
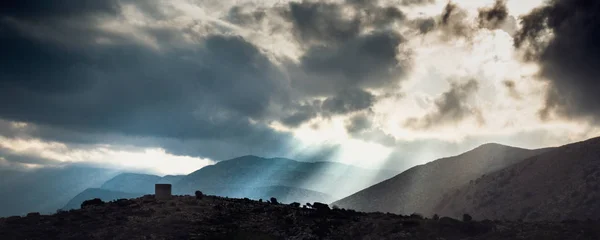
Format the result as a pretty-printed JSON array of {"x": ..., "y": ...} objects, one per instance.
[{"x": 152, "y": 160}]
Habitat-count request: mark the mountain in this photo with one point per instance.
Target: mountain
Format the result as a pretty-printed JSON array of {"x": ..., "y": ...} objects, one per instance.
[
  {"x": 556, "y": 185},
  {"x": 91, "y": 193},
  {"x": 137, "y": 183},
  {"x": 212, "y": 218},
  {"x": 252, "y": 177},
  {"x": 420, "y": 188},
  {"x": 46, "y": 190},
  {"x": 253, "y": 172}
]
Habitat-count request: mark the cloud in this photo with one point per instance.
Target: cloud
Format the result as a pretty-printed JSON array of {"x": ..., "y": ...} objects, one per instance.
[
  {"x": 221, "y": 89},
  {"x": 454, "y": 22},
  {"x": 416, "y": 2},
  {"x": 512, "y": 89},
  {"x": 348, "y": 101},
  {"x": 562, "y": 37},
  {"x": 493, "y": 17},
  {"x": 450, "y": 108},
  {"x": 361, "y": 126}
]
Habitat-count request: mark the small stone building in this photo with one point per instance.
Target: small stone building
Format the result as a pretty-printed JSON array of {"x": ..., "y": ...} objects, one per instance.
[{"x": 162, "y": 191}]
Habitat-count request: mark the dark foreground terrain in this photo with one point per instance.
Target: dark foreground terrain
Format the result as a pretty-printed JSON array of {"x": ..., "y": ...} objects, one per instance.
[{"x": 185, "y": 217}]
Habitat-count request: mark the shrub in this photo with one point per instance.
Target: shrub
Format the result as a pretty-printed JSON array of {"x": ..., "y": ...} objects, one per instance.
[
  {"x": 309, "y": 205},
  {"x": 92, "y": 202},
  {"x": 274, "y": 200},
  {"x": 199, "y": 194},
  {"x": 260, "y": 200},
  {"x": 467, "y": 218},
  {"x": 295, "y": 204},
  {"x": 321, "y": 207},
  {"x": 435, "y": 217},
  {"x": 416, "y": 216},
  {"x": 33, "y": 214},
  {"x": 335, "y": 207}
]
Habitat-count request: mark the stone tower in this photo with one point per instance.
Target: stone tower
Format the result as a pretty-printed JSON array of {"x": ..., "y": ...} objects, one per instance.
[{"x": 162, "y": 191}]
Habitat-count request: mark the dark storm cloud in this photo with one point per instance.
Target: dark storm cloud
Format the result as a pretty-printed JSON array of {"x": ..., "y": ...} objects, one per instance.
[
  {"x": 367, "y": 61},
  {"x": 569, "y": 59},
  {"x": 424, "y": 25},
  {"x": 493, "y": 17},
  {"x": 204, "y": 92},
  {"x": 339, "y": 51},
  {"x": 348, "y": 101},
  {"x": 52, "y": 9},
  {"x": 450, "y": 108},
  {"x": 329, "y": 23},
  {"x": 453, "y": 22}
]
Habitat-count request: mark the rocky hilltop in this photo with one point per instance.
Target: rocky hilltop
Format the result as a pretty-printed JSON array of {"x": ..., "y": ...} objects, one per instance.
[{"x": 210, "y": 217}]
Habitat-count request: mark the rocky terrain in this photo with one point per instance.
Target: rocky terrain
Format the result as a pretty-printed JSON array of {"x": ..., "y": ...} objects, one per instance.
[
  {"x": 420, "y": 189},
  {"x": 186, "y": 217},
  {"x": 561, "y": 184}
]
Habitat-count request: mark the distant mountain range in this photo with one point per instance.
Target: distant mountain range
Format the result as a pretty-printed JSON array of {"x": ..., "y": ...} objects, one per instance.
[
  {"x": 46, "y": 190},
  {"x": 421, "y": 188},
  {"x": 249, "y": 176}
]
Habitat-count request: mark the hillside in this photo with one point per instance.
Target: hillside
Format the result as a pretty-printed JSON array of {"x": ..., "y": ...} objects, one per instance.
[
  {"x": 251, "y": 177},
  {"x": 137, "y": 183},
  {"x": 420, "y": 188},
  {"x": 560, "y": 184},
  {"x": 220, "y": 218},
  {"x": 254, "y": 172},
  {"x": 91, "y": 193}
]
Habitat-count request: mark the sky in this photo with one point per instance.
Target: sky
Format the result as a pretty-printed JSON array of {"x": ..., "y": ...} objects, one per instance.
[{"x": 171, "y": 86}]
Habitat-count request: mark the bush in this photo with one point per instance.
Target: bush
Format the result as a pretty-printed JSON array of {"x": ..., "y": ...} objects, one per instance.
[
  {"x": 467, "y": 218},
  {"x": 435, "y": 217},
  {"x": 92, "y": 202},
  {"x": 309, "y": 205},
  {"x": 295, "y": 204},
  {"x": 199, "y": 195},
  {"x": 416, "y": 216},
  {"x": 260, "y": 200},
  {"x": 274, "y": 200},
  {"x": 321, "y": 207},
  {"x": 33, "y": 214}
]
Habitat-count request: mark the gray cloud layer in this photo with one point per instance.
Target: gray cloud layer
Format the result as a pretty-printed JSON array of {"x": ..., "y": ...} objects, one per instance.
[
  {"x": 211, "y": 98},
  {"x": 450, "y": 108},
  {"x": 570, "y": 59}
]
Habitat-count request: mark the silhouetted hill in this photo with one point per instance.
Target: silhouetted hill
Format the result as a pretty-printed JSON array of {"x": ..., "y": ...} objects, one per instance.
[
  {"x": 420, "y": 188},
  {"x": 253, "y": 172},
  {"x": 46, "y": 190},
  {"x": 560, "y": 184},
  {"x": 91, "y": 193},
  {"x": 256, "y": 178},
  {"x": 220, "y": 218}
]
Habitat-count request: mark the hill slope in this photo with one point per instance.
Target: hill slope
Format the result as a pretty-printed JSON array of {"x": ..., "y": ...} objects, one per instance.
[
  {"x": 91, "y": 193},
  {"x": 254, "y": 172},
  {"x": 560, "y": 184},
  {"x": 137, "y": 183},
  {"x": 219, "y": 218},
  {"x": 420, "y": 188}
]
